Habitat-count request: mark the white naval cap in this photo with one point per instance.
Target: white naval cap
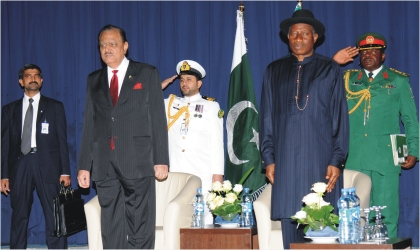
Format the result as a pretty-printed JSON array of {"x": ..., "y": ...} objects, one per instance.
[{"x": 190, "y": 67}]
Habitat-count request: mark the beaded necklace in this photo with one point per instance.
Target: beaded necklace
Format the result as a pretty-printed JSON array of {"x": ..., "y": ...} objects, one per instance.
[{"x": 297, "y": 91}]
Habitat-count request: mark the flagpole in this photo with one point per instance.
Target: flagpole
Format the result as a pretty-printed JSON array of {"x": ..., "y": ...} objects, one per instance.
[{"x": 242, "y": 10}]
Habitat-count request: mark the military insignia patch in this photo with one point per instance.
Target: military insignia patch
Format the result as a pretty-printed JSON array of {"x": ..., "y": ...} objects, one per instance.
[
  {"x": 370, "y": 39},
  {"x": 221, "y": 113},
  {"x": 185, "y": 67}
]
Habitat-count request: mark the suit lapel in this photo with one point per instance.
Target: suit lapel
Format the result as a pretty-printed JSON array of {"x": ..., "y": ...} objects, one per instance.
[
  {"x": 42, "y": 108},
  {"x": 17, "y": 117},
  {"x": 104, "y": 85},
  {"x": 128, "y": 83}
]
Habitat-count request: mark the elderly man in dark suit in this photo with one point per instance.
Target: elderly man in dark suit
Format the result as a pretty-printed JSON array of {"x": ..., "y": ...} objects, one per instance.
[
  {"x": 34, "y": 154},
  {"x": 124, "y": 143}
]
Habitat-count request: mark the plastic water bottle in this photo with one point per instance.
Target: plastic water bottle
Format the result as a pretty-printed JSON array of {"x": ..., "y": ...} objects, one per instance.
[
  {"x": 247, "y": 218},
  {"x": 358, "y": 232},
  {"x": 198, "y": 216},
  {"x": 345, "y": 206}
]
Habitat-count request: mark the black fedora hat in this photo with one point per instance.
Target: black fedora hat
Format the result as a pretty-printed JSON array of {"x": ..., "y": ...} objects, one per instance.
[{"x": 302, "y": 16}]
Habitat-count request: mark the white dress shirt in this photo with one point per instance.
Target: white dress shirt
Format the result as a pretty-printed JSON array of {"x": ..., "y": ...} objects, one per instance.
[
  {"x": 374, "y": 73},
  {"x": 122, "y": 69}
]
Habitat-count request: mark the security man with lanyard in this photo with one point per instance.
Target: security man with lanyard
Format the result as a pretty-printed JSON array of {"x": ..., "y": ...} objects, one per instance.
[
  {"x": 195, "y": 130},
  {"x": 377, "y": 97}
]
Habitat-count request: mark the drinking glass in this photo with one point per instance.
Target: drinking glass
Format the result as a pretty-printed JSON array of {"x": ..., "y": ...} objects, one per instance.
[
  {"x": 367, "y": 229},
  {"x": 380, "y": 231}
]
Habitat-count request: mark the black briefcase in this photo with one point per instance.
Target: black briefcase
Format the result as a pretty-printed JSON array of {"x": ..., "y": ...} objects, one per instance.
[{"x": 69, "y": 212}]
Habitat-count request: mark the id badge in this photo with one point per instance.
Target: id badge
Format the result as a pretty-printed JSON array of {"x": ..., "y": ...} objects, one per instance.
[
  {"x": 184, "y": 129},
  {"x": 44, "y": 128}
]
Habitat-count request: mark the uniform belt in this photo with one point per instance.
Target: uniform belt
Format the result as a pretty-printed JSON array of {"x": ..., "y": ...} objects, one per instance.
[{"x": 33, "y": 150}]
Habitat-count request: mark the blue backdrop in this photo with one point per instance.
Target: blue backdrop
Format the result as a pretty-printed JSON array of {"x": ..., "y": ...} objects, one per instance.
[{"x": 61, "y": 37}]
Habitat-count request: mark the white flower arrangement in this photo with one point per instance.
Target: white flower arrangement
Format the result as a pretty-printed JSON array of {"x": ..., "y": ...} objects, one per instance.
[
  {"x": 223, "y": 199},
  {"x": 317, "y": 214}
]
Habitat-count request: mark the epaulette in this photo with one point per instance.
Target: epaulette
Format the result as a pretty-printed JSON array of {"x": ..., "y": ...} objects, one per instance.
[
  {"x": 352, "y": 70},
  {"x": 399, "y": 72},
  {"x": 170, "y": 95},
  {"x": 209, "y": 98}
]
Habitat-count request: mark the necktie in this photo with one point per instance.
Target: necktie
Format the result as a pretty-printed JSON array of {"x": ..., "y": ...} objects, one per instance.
[
  {"x": 113, "y": 88},
  {"x": 370, "y": 76},
  {"x": 27, "y": 129}
]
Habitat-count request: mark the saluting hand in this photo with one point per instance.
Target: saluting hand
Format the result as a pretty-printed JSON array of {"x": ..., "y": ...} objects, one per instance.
[
  {"x": 168, "y": 81},
  {"x": 345, "y": 55}
]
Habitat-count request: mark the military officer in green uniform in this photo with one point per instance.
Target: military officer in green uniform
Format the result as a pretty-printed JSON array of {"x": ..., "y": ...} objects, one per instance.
[{"x": 377, "y": 97}]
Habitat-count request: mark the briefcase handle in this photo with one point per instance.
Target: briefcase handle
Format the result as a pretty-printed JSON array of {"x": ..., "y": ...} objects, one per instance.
[{"x": 66, "y": 190}]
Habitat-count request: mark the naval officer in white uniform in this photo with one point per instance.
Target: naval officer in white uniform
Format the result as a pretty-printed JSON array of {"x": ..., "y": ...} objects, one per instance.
[{"x": 195, "y": 130}]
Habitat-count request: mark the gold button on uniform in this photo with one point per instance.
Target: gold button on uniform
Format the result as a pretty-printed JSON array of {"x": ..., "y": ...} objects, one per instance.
[{"x": 183, "y": 150}]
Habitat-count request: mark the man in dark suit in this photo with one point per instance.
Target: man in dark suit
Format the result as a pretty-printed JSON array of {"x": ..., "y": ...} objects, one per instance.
[
  {"x": 33, "y": 157},
  {"x": 124, "y": 143}
]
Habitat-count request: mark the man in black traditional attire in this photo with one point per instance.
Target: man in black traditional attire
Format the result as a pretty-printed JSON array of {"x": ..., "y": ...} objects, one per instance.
[{"x": 304, "y": 127}]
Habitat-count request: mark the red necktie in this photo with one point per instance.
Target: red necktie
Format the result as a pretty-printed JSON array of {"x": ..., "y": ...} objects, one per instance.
[{"x": 113, "y": 88}]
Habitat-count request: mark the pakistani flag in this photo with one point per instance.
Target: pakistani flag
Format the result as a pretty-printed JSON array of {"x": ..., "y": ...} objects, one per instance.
[{"x": 242, "y": 119}]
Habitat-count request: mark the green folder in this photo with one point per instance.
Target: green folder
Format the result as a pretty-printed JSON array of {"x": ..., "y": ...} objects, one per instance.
[{"x": 399, "y": 148}]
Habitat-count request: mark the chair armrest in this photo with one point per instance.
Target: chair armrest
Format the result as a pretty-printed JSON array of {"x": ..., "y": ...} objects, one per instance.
[
  {"x": 262, "y": 208},
  {"x": 178, "y": 213},
  {"x": 93, "y": 221},
  {"x": 362, "y": 183}
]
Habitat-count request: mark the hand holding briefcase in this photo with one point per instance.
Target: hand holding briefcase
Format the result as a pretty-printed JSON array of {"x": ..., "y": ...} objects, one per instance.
[{"x": 69, "y": 213}]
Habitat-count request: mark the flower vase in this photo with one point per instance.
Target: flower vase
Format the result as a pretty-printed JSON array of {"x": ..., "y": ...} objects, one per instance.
[
  {"x": 228, "y": 221},
  {"x": 321, "y": 232},
  {"x": 228, "y": 217}
]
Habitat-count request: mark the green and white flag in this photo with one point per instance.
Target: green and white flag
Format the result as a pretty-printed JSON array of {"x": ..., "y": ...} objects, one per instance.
[
  {"x": 298, "y": 5},
  {"x": 242, "y": 119}
]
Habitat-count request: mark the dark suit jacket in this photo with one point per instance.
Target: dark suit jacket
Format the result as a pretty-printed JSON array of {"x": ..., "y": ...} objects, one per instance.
[
  {"x": 52, "y": 147},
  {"x": 137, "y": 123}
]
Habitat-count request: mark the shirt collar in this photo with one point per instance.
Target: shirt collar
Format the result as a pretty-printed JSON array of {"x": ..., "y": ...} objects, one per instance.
[
  {"x": 305, "y": 60},
  {"x": 123, "y": 65},
  {"x": 192, "y": 98},
  {"x": 375, "y": 72},
  {"x": 35, "y": 97}
]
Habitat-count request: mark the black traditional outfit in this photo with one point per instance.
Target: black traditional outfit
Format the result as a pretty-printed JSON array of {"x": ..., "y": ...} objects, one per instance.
[{"x": 304, "y": 127}]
